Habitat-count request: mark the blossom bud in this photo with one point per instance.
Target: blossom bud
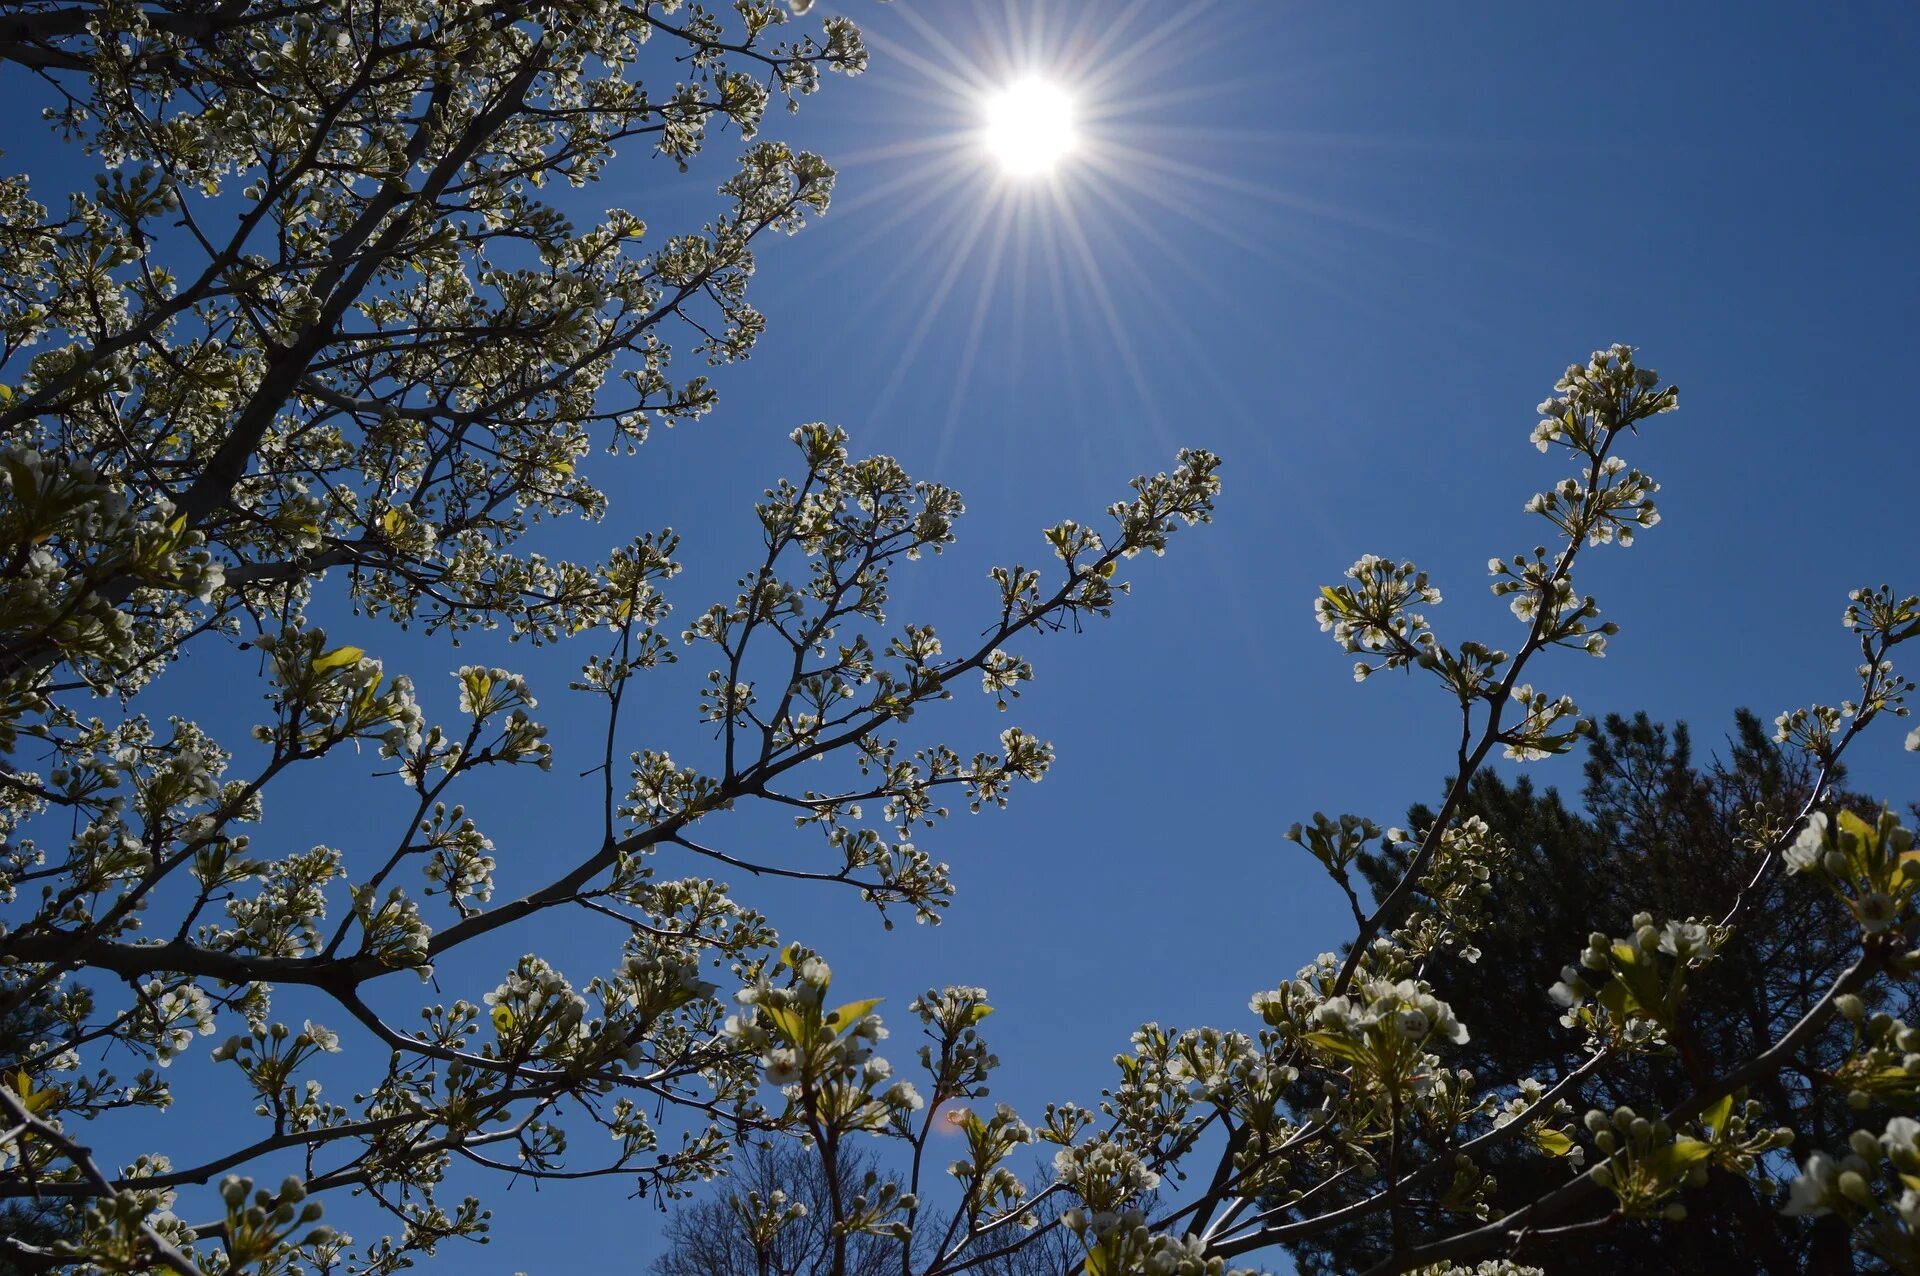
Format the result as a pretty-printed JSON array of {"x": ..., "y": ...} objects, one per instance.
[
  {"x": 1864, "y": 1146},
  {"x": 1853, "y": 1186},
  {"x": 1850, "y": 1007}
]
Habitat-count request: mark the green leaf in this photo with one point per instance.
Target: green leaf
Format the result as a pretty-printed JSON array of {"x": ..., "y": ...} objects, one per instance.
[
  {"x": 852, "y": 1013},
  {"x": 791, "y": 1023},
  {"x": 1716, "y": 1116},
  {"x": 338, "y": 658},
  {"x": 978, "y": 1013},
  {"x": 1336, "y": 1045},
  {"x": 1552, "y": 1142},
  {"x": 1672, "y": 1162},
  {"x": 1851, "y": 823}
]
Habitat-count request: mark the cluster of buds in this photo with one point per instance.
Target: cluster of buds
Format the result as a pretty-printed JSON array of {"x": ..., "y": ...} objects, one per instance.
[
  {"x": 1883, "y": 1065},
  {"x": 265, "y": 1227},
  {"x": 1645, "y": 1166}
]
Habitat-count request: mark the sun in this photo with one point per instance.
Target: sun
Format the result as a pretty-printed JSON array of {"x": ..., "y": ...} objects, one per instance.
[{"x": 1029, "y": 126}]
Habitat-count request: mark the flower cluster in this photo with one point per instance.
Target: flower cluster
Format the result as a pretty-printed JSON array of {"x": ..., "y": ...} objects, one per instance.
[
  {"x": 1546, "y": 1123},
  {"x": 1593, "y": 401},
  {"x": 1452, "y": 904},
  {"x": 1637, "y": 994},
  {"x": 169, "y": 1016},
  {"x": 460, "y": 864},
  {"x": 1875, "y": 1186},
  {"x": 268, "y": 1057},
  {"x": 1404, "y": 1009},
  {"x": 1869, "y": 865},
  {"x": 1104, "y": 1175},
  {"x": 324, "y": 696},
  {"x": 1373, "y": 614},
  {"x": 536, "y": 1012},
  {"x": 822, "y": 1059},
  {"x": 1120, "y": 1241},
  {"x": 1543, "y": 728},
  {"x": 654, "y": 980}
]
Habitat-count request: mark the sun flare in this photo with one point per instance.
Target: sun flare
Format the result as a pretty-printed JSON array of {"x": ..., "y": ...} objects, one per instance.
[{"x": 1029, "y": 127}]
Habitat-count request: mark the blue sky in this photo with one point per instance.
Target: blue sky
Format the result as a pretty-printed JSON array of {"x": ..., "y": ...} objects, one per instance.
[
  {"x": 1348, "y": 247},
  {"x": 1370, "y": 238}
]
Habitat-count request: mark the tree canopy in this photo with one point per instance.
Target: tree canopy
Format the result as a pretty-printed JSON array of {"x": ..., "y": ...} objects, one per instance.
[{"x": 308, "y": 337}]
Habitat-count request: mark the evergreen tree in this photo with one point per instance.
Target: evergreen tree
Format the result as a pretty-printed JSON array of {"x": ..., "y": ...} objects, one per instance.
[{"x": 1661, "y": 830}]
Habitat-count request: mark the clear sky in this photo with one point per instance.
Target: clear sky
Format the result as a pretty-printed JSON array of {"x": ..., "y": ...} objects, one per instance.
[{"x": 1348, "y": 247}]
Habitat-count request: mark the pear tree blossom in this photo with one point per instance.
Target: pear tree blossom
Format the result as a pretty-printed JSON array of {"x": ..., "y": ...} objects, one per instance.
[{"x": 311, "y": 357}]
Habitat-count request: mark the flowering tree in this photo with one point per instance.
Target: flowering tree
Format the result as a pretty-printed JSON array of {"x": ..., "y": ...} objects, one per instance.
[
  {"x": 312, "y": 340},
  {"x": 1341, "y": 1104}
]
